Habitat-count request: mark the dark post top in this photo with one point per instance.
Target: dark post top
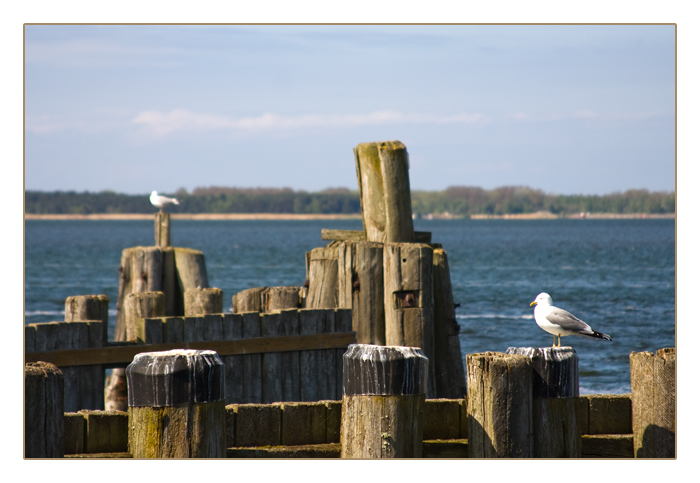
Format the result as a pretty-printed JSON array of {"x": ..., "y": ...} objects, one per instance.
[
  {"x": 554, "y": 370},
  {"x": 384, "y": 370},
  {"x": 174, "y": 378}
]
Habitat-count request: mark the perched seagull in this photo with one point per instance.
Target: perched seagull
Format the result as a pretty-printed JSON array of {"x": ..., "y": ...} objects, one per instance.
[
  {"x": 559, "y": 322},
  {"x": 160, "y": 201}
]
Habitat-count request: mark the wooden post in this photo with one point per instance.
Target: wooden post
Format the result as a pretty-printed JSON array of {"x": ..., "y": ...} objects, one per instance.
[
  {"x": 555, "y": 391},
  {"x": 248, "y": 300},
  {"x": 361, "y": 288},
  {"x": 176, "y": 405},
  {"x": 162, "y": 229},
  {"x": 273, "y": 299},
  {"x": 154, "y": 269},
  {"x": 450, "y": 381},
  {"x": 385, "y": 193},
  {"x": 408, "y": 299},
  {"x": 201, "y": 301},
  {"x": 383, "y": 398},
  {"x": 653, "y": 377},
  {"x": 80, "y": 308},
  {"x": 139, "y": 306},
  {"x": 499, "y": 406},
  {"x": 322, "y": 274},
  {"x": 43, "y": 411}
]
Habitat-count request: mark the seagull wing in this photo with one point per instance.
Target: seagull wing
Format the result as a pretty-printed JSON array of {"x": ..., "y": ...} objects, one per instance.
[{"x": 566, "y": 320}]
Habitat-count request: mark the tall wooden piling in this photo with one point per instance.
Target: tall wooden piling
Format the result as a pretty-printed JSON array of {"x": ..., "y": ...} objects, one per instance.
[
  {"x": 555, "y": 391},
  {"x": 176, "y": 405},
  {"x": 499, "y": 406},
  {"x": 408, "y": 299},
  {"x": 361, "y": 288},
  {"x": 653, "y": 378},
  {"x": 385, "y": 193},
  {"x": 43, "y": 410},
  {"x": 383, "y": 397}
]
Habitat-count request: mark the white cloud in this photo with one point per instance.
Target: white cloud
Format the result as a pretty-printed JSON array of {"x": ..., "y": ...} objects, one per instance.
[{"x": 159, "y": 123}]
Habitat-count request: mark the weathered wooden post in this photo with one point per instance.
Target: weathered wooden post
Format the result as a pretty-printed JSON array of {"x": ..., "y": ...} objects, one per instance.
[
  {"x": 201, "y": 301},
  {"x": 385, "y": 193},
  {"x": 176, "y": 405},
  {"x": 450, "y": 380},
  {"x": 408, "y": 299},
  {"x": 499, "y": 405},
  {"x": 279, "y": 298},
  {"x": 555, "y": 390},
  {"x": 162, "y": 229},
  {"x": 43, "y": 410},
  {"x": 322, "y": 274},
  {"x": 137, "y": 307},
  {"x": 81, "y": 308},
  {"x": 653, "y": 378},
  {"x": 248, "y": 300},
  {"x": 140, "y": 306},
  {"x": 384, "y": 391},
  {"x": 361, "y": 288}
]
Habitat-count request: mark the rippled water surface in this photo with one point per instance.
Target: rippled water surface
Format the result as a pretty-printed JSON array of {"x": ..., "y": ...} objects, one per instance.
[{"x": 617, "y": 275}]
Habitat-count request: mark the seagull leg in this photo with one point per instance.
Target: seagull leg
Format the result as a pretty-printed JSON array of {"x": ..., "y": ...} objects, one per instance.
[
  {"x": 559, "y": 341},
  {"x": 554, "y": 340}
]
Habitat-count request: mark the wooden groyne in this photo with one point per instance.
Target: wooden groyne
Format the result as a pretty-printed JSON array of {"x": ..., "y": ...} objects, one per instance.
[{"x": 362, "y": 361}]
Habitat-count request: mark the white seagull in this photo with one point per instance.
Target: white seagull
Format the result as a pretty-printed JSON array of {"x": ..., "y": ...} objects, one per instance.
[
  {"x": 559, "y": 322},
  {"x": 160, "y": 201}
]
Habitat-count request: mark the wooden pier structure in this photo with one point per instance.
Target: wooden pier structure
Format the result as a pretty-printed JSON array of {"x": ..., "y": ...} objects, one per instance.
[{"x": 362, "y": 361}]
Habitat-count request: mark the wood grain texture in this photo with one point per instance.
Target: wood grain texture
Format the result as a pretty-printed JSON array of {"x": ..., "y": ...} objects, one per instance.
[
  {"x": 653, "y": 379},
  {"x": 361, "y": 288},
  {"x": 499, "y": 402},
  {"x": 450, "y": 379},
  {"x": 408, "y": 299},
  {"x": 43, "y": 411}
]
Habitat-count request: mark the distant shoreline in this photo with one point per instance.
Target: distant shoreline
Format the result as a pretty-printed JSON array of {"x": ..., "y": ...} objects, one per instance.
[
  {"x": 295, "y": 216},
  {"x": 193, "y": 216}
]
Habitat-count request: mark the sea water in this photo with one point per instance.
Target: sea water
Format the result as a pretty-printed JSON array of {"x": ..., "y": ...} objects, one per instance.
[{"x": 617, "y": 275}]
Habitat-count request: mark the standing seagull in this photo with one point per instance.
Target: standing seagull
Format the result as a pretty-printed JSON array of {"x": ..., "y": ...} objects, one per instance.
[
  {"x": 160, "y": 201},
  {"x": 560, "y": 322}
]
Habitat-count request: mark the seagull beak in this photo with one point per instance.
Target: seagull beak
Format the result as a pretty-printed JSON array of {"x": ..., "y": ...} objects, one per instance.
[{"x": 534, "y": 302}]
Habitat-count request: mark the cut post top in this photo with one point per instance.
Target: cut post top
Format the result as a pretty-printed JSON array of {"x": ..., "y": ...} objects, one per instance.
[
  {"x": 175, "y": 377},
  {"x": 384, "y": 370}
]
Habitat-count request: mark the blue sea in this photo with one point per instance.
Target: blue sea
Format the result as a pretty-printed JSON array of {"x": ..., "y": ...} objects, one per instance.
[{"x": 617, "y": 275}]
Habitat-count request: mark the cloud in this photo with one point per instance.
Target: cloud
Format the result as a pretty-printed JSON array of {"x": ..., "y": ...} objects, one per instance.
[{"x": 159, "y": 123}]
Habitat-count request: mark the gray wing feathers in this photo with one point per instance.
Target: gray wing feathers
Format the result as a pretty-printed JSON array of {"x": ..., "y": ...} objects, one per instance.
[{"x": 567, "y": 321}]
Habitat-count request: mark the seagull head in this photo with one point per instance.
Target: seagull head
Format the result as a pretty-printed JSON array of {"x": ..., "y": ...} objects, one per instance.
[{"x": 543, "y": 299}]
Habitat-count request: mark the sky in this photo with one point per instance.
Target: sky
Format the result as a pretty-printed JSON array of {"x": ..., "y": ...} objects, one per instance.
[{"x": 568, "y": 109}]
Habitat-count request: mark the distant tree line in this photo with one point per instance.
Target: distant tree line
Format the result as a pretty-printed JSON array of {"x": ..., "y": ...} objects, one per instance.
[{"x": 455, "y": 200}]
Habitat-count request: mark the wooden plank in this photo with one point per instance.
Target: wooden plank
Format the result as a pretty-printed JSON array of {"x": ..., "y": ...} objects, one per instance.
[
  {"x": 361, "y": 235},
  {"x": 450, "y": 380},
  {"x": 119, "y": 355},
  {"x": 290, "y": 359},
  {"x": 361, "y": 288},
  {"x": 252, "y": 363},
  {"x": 232, "y": 328},
  {"x": 272, "y": 369},
  {"x": 408, "y": 299}
]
